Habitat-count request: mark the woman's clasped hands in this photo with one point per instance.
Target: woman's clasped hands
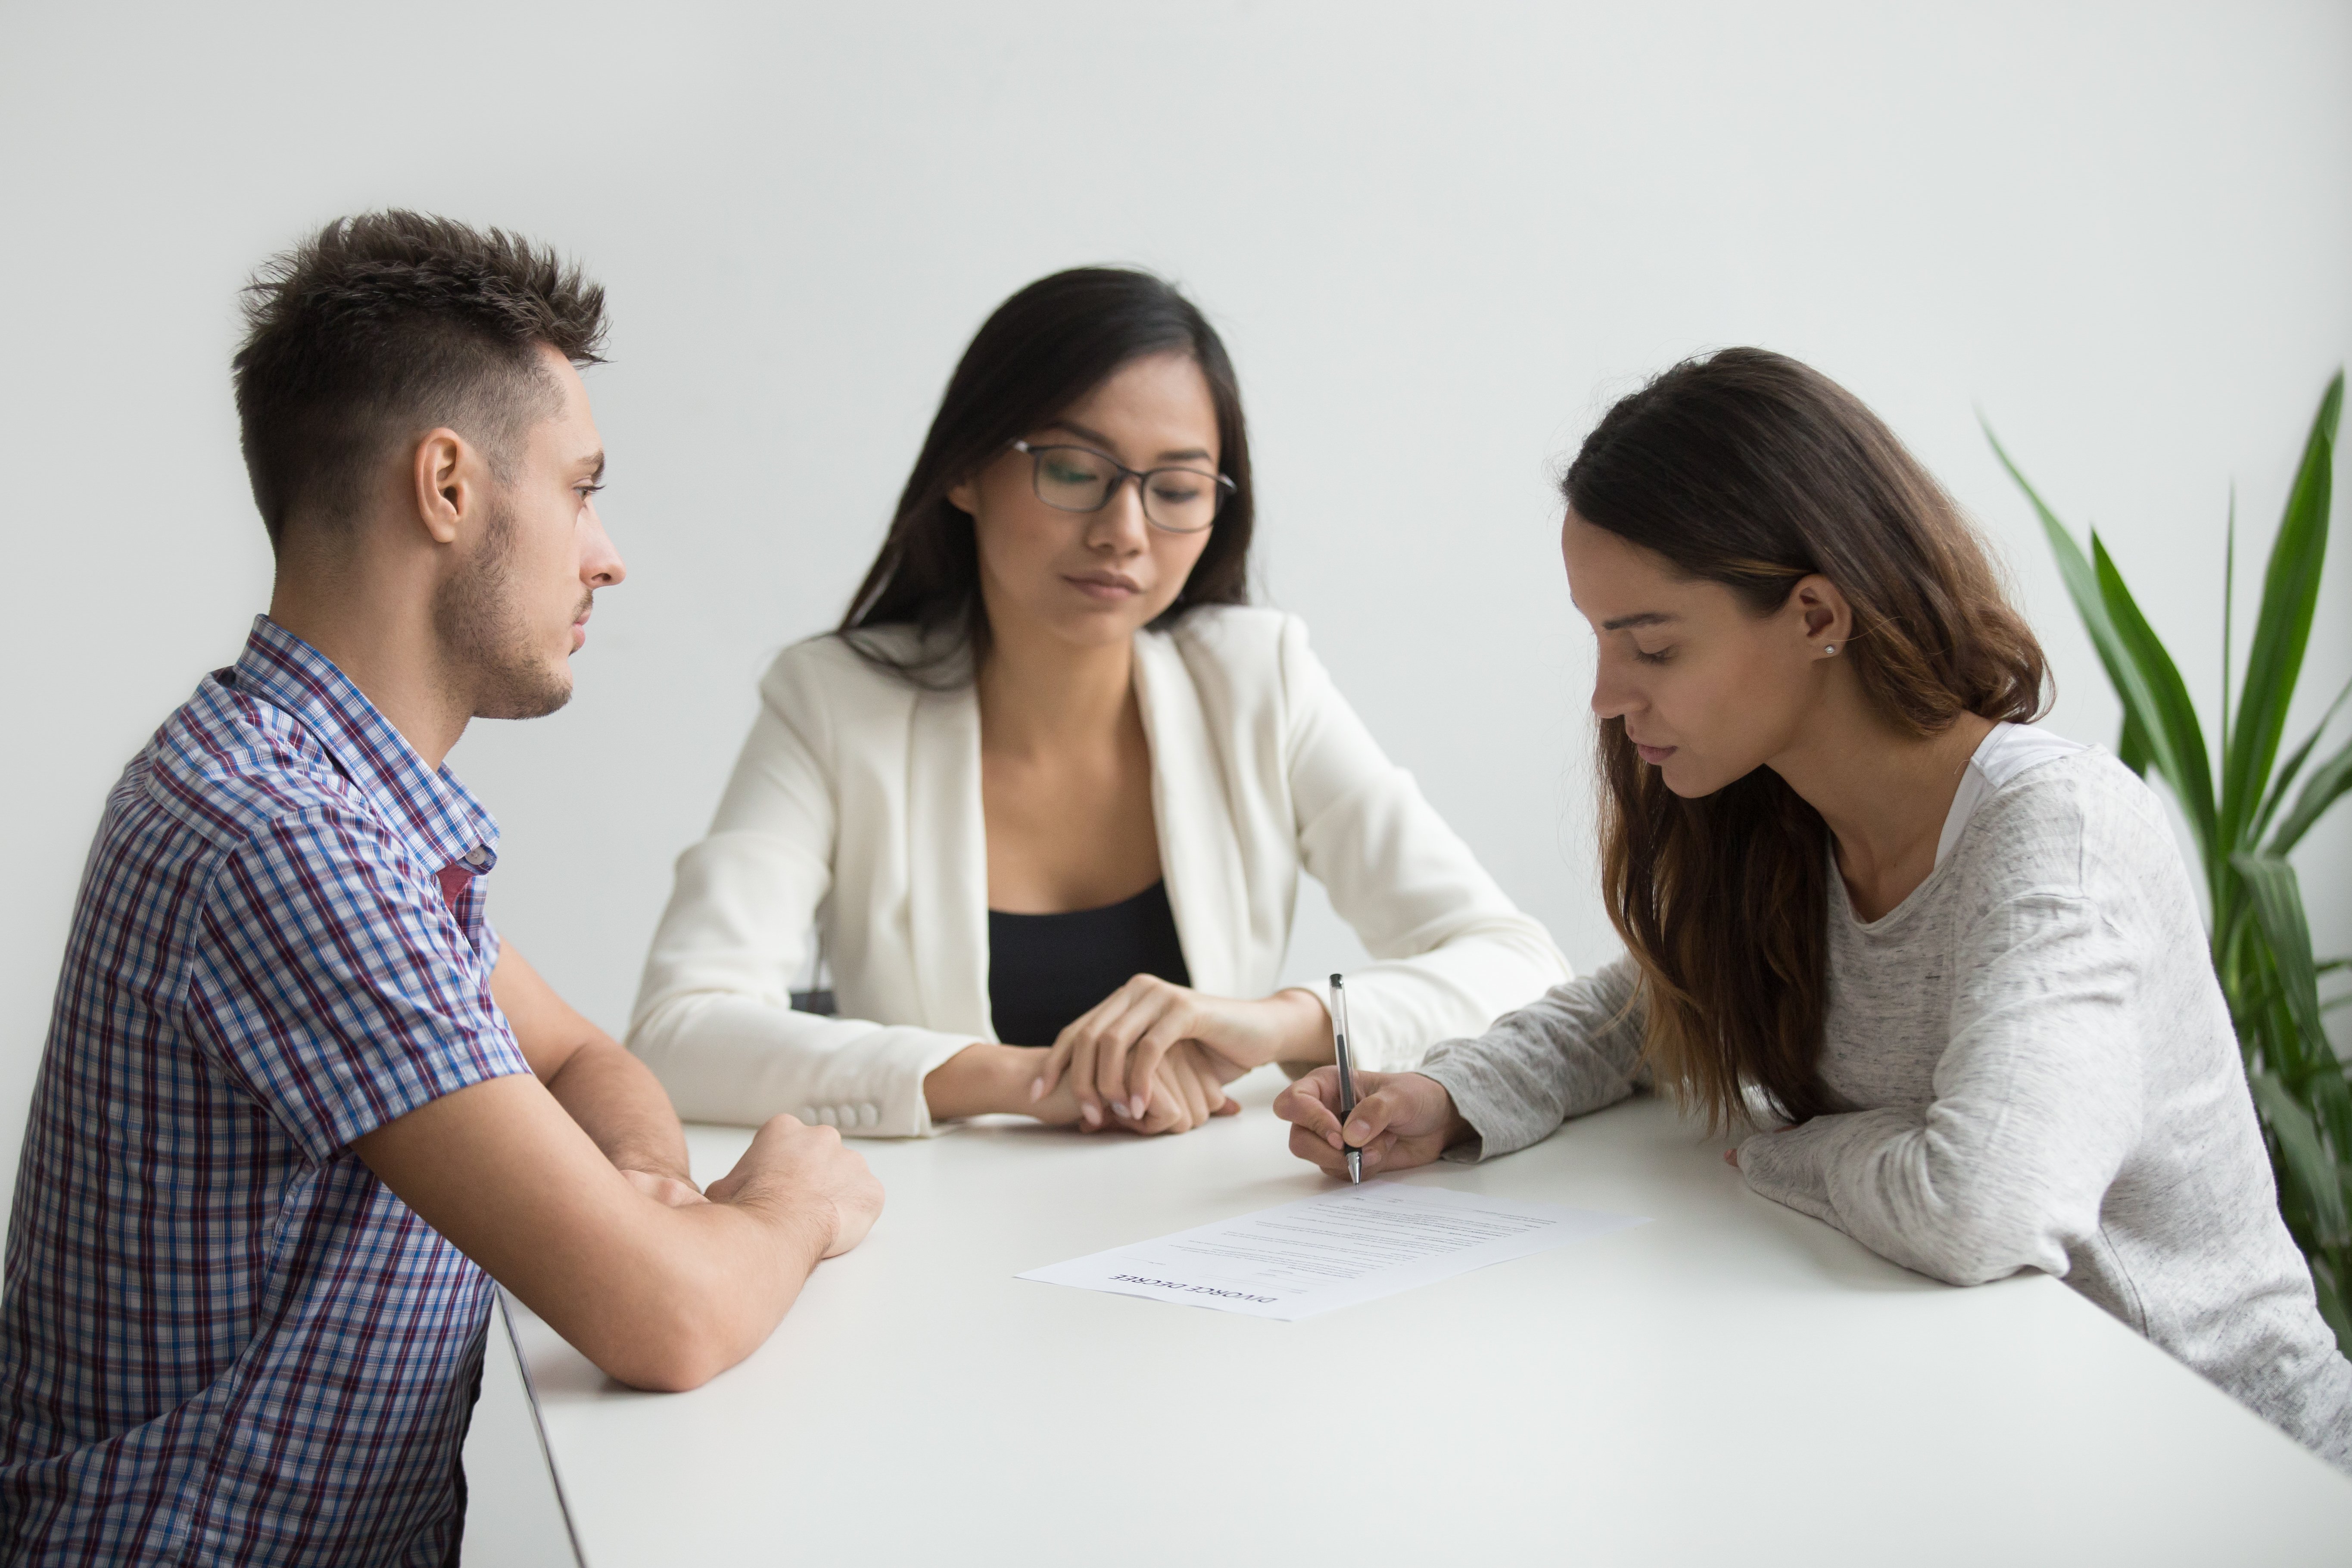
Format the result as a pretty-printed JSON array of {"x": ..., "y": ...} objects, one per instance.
[{"x": 1155, "y": 1056}]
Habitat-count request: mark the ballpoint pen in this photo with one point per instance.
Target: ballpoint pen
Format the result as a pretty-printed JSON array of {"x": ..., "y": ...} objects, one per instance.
[{"x": 1346, "y": 1061}]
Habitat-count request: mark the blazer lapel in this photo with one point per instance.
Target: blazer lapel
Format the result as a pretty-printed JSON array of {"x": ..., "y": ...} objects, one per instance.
[
  {"x": 946, "y": 846},
  {"x": 1200, "y": 853}
]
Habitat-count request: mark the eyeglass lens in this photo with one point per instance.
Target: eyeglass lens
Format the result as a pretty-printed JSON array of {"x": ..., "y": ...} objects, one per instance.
[{"x": 1075, "y": 480}]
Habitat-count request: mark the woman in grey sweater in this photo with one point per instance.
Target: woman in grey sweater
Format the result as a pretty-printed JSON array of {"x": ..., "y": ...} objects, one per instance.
[{"x": 1952, "y": 968}]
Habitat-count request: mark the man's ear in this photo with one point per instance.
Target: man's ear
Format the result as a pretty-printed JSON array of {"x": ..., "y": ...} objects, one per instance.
[
  {"x": 443, "y": 475},
  {"x": 1823, "y": 611}
]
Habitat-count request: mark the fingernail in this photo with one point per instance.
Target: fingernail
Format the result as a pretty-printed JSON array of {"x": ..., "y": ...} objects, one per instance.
[
  {"x": 1135, "y": 1109},
  {"x": 1036, "y": 1089},
  {"x": 1090, "y": 1114}
]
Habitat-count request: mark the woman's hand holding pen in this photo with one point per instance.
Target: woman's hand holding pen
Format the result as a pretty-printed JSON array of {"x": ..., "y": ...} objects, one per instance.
[
  {"x": 1402, "y": 1119},
  {"x": 1110, "y": 1055}
]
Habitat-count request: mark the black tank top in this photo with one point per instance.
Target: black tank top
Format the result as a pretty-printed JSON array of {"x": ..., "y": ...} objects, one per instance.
[{"x": 1044, "y": 971}]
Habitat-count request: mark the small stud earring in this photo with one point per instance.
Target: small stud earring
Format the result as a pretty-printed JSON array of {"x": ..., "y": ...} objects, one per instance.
[{"x": 1829, "y": 648}]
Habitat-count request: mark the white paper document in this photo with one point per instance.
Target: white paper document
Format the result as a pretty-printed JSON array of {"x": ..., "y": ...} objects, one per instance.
[{"x": 1334, "y": 1250}]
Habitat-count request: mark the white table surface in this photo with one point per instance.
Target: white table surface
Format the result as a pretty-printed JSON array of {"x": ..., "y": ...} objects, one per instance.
[{"x": 1731, "y": 1385}]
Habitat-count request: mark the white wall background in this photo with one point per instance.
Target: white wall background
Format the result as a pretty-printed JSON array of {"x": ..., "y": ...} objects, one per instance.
[{"x": 1438, "y": 238}]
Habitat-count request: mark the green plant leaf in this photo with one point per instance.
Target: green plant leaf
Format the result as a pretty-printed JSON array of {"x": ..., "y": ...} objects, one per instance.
[
  {"x": 2331, "y": 1306},
  {"x": 2330, "y": 1102},
  {"x": 2293, "y": 765},
  {"x": 2131, "y": 746},
  {"x": 2282, "y": 628},
  {"x": 2176, "y": 740},
  {"x": 2302, "y": 1158},
  {"x": 2229, "y": 608},
  {"x": 2322, "y": 789},
  {"x": 2277, "y": 900},
  {"x": 2145, "y": 732}
]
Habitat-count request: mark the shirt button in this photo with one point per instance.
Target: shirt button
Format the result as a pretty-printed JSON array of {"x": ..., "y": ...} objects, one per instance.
[{"x": 867, "y": 1116}]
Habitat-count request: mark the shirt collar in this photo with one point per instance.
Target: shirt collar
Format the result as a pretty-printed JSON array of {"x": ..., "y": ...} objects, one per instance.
[{"x": 437, "y": 812}]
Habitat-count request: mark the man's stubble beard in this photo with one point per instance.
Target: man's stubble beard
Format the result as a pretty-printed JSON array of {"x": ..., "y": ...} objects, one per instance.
[{"x": 486, "y": 645}]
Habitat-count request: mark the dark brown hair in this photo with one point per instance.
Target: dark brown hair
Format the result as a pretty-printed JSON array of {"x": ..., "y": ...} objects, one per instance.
[
  {"x": 1750, "y": 469},
  {"x": 383, "y": 326},
  {"x": 1040, "y": 352}
]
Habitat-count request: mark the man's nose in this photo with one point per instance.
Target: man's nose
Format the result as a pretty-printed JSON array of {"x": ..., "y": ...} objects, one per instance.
[{"x": 601, "y": 567}]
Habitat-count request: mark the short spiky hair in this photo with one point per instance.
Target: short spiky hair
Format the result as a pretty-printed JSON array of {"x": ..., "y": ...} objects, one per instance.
[{"x": 381, "y": 327}]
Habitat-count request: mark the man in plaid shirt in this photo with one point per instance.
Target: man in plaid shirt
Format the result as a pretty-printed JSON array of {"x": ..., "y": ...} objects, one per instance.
[{"x": 297, "y": 1096}]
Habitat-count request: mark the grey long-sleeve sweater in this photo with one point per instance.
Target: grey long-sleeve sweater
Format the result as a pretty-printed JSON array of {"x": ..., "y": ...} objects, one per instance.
[{"x": 2043, "y": 1075}]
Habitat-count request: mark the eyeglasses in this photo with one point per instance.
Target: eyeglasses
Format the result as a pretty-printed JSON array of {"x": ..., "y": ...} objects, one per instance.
[{"x": 1078, "y": 479}]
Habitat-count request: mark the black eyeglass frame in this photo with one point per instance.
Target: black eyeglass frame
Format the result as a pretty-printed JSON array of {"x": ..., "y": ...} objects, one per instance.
[{"x": 1226, "y": 489}]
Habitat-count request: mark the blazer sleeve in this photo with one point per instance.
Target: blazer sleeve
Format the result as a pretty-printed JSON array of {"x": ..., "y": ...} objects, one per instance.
[
  {"x": 714, "y": 1018},
  {"x": 1451, "y": 951}
]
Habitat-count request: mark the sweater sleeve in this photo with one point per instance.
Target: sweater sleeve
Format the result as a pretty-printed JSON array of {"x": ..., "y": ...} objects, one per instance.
[
  {"x": 714, "y": 1018},
  {"x": 1575, "y": 1049},
  {"x": 1451, "y": 951},
  {"x": 2036, "y": 1101}
]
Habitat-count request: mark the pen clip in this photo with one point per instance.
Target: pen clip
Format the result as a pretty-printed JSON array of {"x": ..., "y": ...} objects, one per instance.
[{"x": 1342, "y": 1051}]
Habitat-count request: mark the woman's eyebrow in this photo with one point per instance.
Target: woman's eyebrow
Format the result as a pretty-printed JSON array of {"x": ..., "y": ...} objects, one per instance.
[
  {"x": 1083, "y": 432},
  {"x": 1646, "y": 618},
  {"x": 1187, "y": 454}
]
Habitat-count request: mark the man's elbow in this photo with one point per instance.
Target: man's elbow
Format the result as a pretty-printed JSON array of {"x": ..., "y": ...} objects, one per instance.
[
  {"x": 664, "y": 1369},
  {"x": 672, "y": 1347}
]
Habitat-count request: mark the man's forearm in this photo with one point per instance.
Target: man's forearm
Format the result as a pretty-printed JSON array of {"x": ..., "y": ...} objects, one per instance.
[
  {"x": 660, "y": 1296},
  {"x": 619, "y": 1103}
]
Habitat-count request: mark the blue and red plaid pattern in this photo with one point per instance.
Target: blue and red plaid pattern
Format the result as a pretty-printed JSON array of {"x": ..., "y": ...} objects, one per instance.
[{"x": 222, "y": 1340}]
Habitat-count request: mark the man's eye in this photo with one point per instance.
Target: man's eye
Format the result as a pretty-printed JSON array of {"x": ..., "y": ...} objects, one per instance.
[{"x": 1661, "y": 656}]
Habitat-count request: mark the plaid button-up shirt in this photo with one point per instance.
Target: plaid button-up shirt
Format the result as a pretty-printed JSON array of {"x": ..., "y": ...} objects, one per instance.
[{"x": 222, "y": 1340}]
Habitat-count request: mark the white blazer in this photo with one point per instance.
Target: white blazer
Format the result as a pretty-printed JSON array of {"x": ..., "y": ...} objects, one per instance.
[{"x": 855, "y": 809}]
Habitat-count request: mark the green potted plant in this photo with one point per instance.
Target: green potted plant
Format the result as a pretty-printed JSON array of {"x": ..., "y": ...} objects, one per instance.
[{"x": 2243, "y": 827}]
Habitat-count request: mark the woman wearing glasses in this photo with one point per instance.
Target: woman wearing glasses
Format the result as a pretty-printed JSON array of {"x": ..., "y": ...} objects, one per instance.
[{"x": 1052, "y": 784}]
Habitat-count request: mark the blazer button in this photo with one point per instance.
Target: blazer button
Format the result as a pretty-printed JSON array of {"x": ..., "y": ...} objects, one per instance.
[
  {"x": 808, "y": 1115},
  {"x": 867, "y": 1116}
]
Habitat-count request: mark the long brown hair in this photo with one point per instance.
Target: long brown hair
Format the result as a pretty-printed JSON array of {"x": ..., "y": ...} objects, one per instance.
[
  {"x": 1747, "y": 468},
  {"x": 1037, "y": 354}
]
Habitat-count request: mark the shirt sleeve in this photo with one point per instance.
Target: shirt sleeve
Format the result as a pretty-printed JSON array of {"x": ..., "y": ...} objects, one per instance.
[
  {"x": 330, "y": 982},
  {"x": 1451, "y": 951},
  {"x": 1575, "y": 1049},
  {"x": 2036, "y": 1101}
]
